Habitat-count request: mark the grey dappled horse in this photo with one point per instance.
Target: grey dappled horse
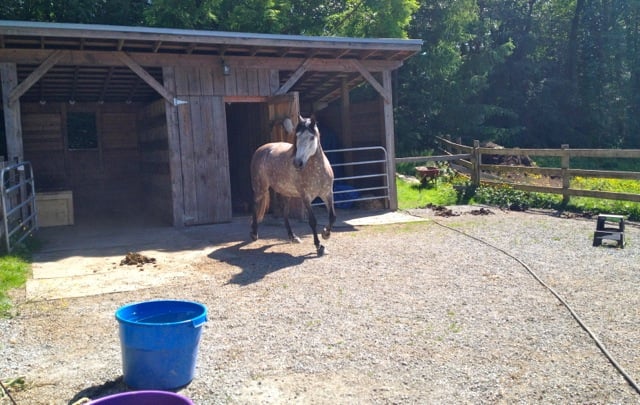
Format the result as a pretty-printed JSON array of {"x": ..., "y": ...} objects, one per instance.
[{"x": 293, "y": 170}]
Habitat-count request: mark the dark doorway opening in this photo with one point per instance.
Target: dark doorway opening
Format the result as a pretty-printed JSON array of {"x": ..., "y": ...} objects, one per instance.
[{"x": 247, "y": 129}]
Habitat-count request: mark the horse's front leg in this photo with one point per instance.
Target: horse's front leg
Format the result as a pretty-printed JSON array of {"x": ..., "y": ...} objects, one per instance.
[
  {"x": 313, "y": 223},
  {"x": 326, "y": 231},
  {"x": 285, "y": 213}
]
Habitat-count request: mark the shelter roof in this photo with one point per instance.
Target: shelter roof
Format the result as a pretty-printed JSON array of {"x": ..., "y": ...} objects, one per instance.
[{"x": 28, "y": 44}]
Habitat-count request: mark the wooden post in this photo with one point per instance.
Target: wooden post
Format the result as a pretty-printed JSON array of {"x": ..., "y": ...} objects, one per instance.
[
  {"x": 390, "y": 143},
  {"x": 345, "y": 121},
  {"x": 566, "y": 180},
  {"x": 476, "y": 160},
  {"x": 175, "y": 159},
  {"x": 12, "y": 123}
]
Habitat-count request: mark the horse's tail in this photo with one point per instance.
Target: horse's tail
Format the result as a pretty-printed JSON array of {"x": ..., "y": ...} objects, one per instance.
[{"x": 261, "y": 203}]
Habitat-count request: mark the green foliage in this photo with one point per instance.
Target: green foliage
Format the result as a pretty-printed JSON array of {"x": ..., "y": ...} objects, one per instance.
[
  {"x": 357, "y": 18},
  {"x": 507, "y": 197},
  {"x": 615, "y": 185},
  {"x": 191, "y": 14},
  {"x": 372, "y": 18},
  {"x": 115, "y": 12},
  {"x": 597, "y": 206},
  {"x": 249, "y": 16},
  {"x": 441, "y": 88}
]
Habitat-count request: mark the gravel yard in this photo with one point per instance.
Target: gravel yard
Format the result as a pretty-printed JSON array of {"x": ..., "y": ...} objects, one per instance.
[{"x": 407, "y": 313}]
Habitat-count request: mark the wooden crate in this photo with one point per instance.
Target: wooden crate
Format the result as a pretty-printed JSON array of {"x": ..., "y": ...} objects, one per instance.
[{"x": 55, "y": 208}]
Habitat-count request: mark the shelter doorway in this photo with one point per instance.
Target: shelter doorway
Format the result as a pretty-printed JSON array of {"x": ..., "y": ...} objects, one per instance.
[
  {"x": 247, "y": 129},
  {"x": 251, "y": 124}
]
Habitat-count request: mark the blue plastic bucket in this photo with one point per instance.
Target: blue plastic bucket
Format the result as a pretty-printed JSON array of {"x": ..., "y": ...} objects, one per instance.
[
  {"x": 159, "y": 341},
  {"x": 143, "y": 398}
]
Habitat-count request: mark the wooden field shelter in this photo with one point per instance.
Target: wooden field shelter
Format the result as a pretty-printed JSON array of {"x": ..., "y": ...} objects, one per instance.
[{"x": 138, "y": 121}]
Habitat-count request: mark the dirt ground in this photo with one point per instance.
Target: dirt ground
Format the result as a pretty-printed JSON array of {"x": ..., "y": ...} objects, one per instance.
[
  {"x": 402, "y": 310},
  {"x": 89, "y": 259}
]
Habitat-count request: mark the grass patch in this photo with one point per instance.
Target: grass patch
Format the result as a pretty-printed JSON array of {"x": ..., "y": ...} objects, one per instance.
[
  {"x": 14, "y": 270},
  {"x": 415, "y": 195},
  {"x": 505, "y": 196},
  {"x": 597, "y": 206}
]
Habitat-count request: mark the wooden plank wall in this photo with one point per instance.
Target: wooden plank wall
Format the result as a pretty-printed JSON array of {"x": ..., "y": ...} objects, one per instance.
[
  {"x": 105, "y": 180},
  {"x": 154, "y": 160},
  {"x": 365, "y": 121},
  {"x": 246, "y": 82},
  {"x": 204, "y": 163},
  {"x": 367, "y": 125},
  {"x": 44, "y": 146},
  {"x": 204, "y": 159}
]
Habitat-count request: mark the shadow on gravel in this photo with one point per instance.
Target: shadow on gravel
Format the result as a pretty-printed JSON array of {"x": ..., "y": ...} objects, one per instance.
[
  {"x": 98, "y": 391},
  {"x": 255, "y": 263}
]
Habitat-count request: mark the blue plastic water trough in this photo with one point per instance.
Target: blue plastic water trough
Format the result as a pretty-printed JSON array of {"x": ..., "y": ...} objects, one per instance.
[{"x": 159, "y": 341}]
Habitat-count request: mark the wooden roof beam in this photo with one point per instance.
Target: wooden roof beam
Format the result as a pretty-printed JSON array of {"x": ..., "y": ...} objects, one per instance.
[
  {"x": 111, "y": 58},
  {"x": 385, "y": 93},
  {"x": 294, "y": 78},
  {"x": 350, "y": 82},
  {"x": 144, "y": 75},
  {"x": 339, "y": 55},
  {"x": 26, "y": 84}
]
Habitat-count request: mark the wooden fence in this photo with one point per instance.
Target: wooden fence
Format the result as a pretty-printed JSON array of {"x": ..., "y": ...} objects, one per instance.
[{"x": 470, "y": 158}]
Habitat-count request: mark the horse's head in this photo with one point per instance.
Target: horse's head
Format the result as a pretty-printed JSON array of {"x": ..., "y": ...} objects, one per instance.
[{"x": 307, "y": 141}]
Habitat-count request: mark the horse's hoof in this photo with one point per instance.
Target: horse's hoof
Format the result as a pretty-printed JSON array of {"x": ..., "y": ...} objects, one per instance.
[
  {"x": 295, "y": 239},
  {"x": 321, "y": 250},
  {"x": 254, "y": 236},
  {"x": 326, "y": 233}
]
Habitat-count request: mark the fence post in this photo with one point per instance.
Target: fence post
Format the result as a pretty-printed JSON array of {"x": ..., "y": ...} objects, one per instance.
[
  {"x": 476, "y": 158},
  {"x": 566, "y": 180}
]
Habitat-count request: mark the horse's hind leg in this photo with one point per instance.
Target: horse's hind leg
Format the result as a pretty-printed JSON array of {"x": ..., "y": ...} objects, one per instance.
[
  {"x": 285, "y": 213},
  {"x": 259, "y": 204},
  {"x": 254, "y": 227}
]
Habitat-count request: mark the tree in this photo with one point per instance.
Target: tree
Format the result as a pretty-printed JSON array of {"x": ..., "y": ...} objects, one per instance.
[
  {"x": 190, "y": 14},
  {"x": 440, "y": 88},
  {"x": 115, "y": 12},
  {"x": 372, "y": 18}
]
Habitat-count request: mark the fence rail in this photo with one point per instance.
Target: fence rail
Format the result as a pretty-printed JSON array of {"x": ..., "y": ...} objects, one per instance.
[
  {"x": 470, "y": 158},
  {"x": 357, "y": 171}
]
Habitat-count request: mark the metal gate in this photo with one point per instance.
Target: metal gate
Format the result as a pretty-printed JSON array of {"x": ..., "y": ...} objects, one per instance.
[
  {"x": 19, "y": 216},
  {"x": 360, "y": 175}
]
